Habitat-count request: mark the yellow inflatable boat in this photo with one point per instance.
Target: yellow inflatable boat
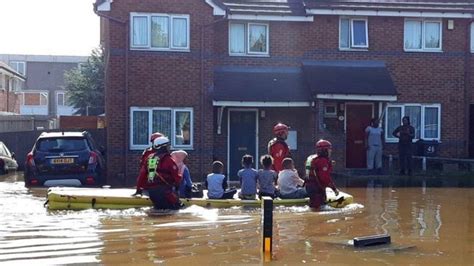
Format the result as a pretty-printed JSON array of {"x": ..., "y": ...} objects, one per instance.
[{"x": 62, "y": 198}]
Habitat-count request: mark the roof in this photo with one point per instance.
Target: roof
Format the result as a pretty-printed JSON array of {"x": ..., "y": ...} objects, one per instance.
[
  {"x": 62, "y": 134},
  {"x": 263, "y": 7},
  {"x": 348, "y": 77},
  {"x": 260, "y": 84},
  {"x": 298, "y": 8},
  {"x": 461, "y": 6}
]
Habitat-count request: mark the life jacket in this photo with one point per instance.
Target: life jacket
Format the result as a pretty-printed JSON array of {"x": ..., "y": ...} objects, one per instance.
[{"x": 308, "y": 162}]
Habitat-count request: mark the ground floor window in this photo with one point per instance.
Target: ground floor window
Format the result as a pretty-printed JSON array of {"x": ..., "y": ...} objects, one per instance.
[
  {"x": 425, "y": 118},
  {"x": 176, "y": 123}
]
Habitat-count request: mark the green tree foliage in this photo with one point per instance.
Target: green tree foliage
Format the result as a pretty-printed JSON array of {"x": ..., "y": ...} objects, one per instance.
[{"x": 85, "y": 85}]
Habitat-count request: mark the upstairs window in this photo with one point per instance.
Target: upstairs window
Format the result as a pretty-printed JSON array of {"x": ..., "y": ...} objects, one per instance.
[
  {"x": 159, "y": 32},
  {"x": 61, "y": 99},
  {"x": 248, "y": 38},
  {"x": 19, "y": 66},
  {"x": 353, "y": 33},
  {"x": 422, "y": 35}
]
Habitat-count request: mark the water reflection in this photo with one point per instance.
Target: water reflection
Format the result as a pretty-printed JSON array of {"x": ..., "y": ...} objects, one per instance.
[{"x": 438, "y": 221}]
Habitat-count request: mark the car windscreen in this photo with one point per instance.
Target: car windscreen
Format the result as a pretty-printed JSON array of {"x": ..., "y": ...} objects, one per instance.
[{"x": 61, "y": 144}]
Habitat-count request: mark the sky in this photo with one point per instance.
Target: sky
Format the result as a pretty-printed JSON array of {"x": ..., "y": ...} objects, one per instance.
[{"x": 48, "y": 27}]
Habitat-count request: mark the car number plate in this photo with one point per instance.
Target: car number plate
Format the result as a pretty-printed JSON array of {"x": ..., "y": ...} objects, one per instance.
[{"x": 62, "y": 160}]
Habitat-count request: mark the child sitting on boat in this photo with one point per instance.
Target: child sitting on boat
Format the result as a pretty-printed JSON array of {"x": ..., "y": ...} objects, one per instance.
[
  {"x": 185, "y": 189},
  {"x": 289, "y": 182},
  {"x": 248, "y": 178},
  {"x": 216, "y": 183},
  {"x": 266, "y": 178}
]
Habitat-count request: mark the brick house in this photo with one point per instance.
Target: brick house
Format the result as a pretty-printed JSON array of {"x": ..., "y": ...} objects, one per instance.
[
  {"x": 217, "y": 75},
  {"x": 11, "y": 82},
  {"x": 43, "y": 92}
]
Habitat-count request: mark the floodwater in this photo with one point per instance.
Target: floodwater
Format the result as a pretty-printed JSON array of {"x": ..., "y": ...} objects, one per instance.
[{"x": 430, "y": 226}]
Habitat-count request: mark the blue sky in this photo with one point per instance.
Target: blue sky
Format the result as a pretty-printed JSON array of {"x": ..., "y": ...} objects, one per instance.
[{"x": 48, "y": 27}]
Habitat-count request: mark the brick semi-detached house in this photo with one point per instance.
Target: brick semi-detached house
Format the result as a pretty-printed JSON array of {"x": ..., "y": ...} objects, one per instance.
[{"x": 216, "y": 75}]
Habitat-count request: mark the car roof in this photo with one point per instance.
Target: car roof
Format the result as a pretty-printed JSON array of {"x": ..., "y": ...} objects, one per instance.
[{"x": 62, "y": 134}]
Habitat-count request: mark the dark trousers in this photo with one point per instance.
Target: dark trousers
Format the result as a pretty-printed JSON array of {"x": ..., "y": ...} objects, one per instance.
[
  {"x": 317, "y": 195},
  {"x": 164, "y": 198},
  {"x": 405, "y": 153}
]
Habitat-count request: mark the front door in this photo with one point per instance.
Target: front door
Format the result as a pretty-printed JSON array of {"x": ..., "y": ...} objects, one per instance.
[
  {"x": 242, "y": 139},
  {"x": 358, "y": 117}
]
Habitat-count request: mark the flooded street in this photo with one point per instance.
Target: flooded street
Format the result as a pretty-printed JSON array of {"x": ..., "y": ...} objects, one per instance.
[{"x": 427, "y": 225}]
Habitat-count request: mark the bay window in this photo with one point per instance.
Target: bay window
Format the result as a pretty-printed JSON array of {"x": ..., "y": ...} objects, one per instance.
[
  {"x": 248, "y": 38},
  {"x": 175, "y": 123},
  {"x": 167, "y": 32},
  {"x": 353, "y": 33},
  {"x": 422, "y": 35},
  {"x": 425, "y": 118}
]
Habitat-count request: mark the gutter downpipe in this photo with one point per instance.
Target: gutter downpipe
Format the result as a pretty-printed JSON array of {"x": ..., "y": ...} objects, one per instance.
[
  {"x": 123, "y": 23},
  {"x": 203, "y": 90},
  {"x": 467, "y": 83}
]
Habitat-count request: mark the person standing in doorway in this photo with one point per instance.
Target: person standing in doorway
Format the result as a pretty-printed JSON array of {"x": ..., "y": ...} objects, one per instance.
[
  {"x": 374, "y": 145},
  {"x": 405, "y": 134},
  {"x": 277, "y": 147}
]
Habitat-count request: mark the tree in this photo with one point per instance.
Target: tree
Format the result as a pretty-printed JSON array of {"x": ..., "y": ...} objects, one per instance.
[{"x": 85, "y": 85}]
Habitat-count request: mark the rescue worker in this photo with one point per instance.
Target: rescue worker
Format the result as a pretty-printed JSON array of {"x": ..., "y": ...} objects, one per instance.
[
  {"x": 318, "y": 171},
  {"x": 277, "y": 147},
  {"x": 159, "y": 176}
]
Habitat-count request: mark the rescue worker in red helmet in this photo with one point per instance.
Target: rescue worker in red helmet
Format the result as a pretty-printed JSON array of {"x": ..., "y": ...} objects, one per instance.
[
  {"x": 159, "y": 176},
  {"x": 150, "y": 149},
  {"x": 277, "y": 147},
  {"x": 318, "y": 171}
]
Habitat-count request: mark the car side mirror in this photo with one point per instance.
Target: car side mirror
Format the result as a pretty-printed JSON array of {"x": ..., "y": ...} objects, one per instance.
[
  {"x": 13, "y": 155},
  {"x": 102, "y": 149}
]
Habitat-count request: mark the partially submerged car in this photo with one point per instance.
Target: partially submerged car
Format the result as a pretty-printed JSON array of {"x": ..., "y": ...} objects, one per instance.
[
  {"x": 65, "y": 159},
  {"x": 7, "y": 160}
]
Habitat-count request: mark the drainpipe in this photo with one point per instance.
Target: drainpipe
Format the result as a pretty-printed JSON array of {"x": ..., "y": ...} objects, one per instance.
[
  {"x": 203, "y": 90},
  {"x": 467, "y": 83},
  {"x": 126, "y": 134}
]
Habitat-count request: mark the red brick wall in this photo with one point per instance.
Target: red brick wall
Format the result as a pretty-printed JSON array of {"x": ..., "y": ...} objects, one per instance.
[
  {"x": 13, "y": 102},
  {"x": 173, "y": 79}
]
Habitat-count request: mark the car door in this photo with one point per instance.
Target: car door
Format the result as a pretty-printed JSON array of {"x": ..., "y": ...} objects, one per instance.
[{"x": 12, "y": 163}]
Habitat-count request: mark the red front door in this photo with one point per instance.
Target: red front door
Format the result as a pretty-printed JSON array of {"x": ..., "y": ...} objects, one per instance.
[{"x": 358, "y": 117}]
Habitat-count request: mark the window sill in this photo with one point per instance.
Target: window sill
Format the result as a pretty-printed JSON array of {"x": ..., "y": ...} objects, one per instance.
[
  {"x": 353, "y": 49},
  {"x": 160, "y": 50},
  {"x": 249, "y": 55},
  {"x": 423, "y": 51}
]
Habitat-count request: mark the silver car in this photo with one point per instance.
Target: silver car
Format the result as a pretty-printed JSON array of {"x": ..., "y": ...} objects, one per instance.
[{"x": 7, "y": 160}]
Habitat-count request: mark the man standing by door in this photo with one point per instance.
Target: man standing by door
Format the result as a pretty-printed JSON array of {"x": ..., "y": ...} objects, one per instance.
[
  {"x": 405, "y": 134},
  {"x": 277, "y": 147},
  {"x": 374, "y": 145}
]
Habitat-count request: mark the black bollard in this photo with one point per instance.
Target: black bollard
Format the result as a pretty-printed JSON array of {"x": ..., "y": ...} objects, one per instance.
[{"x": 267, "y": 227}]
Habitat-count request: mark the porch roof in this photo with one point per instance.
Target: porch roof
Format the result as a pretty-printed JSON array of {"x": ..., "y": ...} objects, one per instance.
[
  {"x": 260, "y": 86},
  {"x": 355, "y": 78}
]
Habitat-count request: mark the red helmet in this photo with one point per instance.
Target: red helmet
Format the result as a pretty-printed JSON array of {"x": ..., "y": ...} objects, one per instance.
[
  {"x": 323, "y": 145},
  {"x": 155, "y": 136},
  {"x": 279, "y": 129}
]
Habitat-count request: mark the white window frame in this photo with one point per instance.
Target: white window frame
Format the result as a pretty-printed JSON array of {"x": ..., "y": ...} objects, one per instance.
[
  {"x": 352, "y": 46},
  {"x": 173, "y": 126},
  {"x": 423, "y": 30},
  {"x": 57, "y": 98},
  {"x": 472, "y": 37},
  {"x": 41, "y": 93},
  {"x": 16, "y": 65},
  {"x": 247, "y": 39},
  {"x": 330, "y": 114},
  {"x": 389, "y": 138},
  {"x": 170, "y": 32}
]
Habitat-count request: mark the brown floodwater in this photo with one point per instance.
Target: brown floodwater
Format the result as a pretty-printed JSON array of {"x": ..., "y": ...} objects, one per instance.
[{"x": 429, "y": 226}]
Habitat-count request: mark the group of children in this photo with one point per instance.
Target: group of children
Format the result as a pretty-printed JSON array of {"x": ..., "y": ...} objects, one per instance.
[
  {"x": 162, "y": 171},
  {"x": 265, "y": 182}
]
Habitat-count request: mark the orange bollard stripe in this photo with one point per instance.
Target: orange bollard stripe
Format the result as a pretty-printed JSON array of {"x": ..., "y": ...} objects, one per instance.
[{"x": 268, "y": 244}]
